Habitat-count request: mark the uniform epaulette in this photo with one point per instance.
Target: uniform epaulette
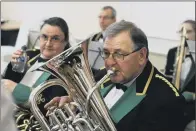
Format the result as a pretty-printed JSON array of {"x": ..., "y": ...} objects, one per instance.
[
  {"x": 168, "y": 83},
  {"x": 95, "y": 37},
  {"x": 33, "y": 54},
  {"x": 32, "y": 59}
]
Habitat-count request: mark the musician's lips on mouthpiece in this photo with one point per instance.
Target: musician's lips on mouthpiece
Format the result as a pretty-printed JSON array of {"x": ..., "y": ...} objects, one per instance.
[{"x": 112, "y": 70}]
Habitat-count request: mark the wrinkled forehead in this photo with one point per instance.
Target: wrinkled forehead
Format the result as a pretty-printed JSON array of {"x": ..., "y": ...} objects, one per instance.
[{"x": 119, "y": 42}]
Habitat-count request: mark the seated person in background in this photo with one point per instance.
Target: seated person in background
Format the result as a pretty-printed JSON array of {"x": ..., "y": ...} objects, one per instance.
[
  {"x": 54, "y": 39},
  {"x": 190, "y": 35},
  {"x": 140, "y": 97},
  {"x": 188, "y": 82},
  {"x": 107, "y": 16}
]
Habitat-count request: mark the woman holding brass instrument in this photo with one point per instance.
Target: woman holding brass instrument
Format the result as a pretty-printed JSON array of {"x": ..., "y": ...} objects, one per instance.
[{"x": 54, "y": 39}]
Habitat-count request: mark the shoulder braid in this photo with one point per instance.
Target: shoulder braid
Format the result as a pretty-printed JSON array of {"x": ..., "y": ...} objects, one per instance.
[{"x": 168, "y": 83}]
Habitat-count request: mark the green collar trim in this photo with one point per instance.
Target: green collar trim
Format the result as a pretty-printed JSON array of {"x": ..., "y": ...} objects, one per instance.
[
  {"x": 41, "y": 79},
  {"x": 126, "y": 103}
]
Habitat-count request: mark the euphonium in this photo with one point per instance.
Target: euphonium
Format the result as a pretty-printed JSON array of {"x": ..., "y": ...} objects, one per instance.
[
  {"x": 179, "y": 59},
  {"x": 74, "y": 74}
]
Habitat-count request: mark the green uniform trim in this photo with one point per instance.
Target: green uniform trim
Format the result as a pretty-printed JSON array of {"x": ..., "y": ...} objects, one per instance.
[
  {"x": 126, "y": 103},
  {"x": 41, "y": 79},
  {"x": 189, "y": 96},
  {"x": 104, "y": 91},
  {"x": 129, "y": 100},
  {"x": 21, "y": 93}
]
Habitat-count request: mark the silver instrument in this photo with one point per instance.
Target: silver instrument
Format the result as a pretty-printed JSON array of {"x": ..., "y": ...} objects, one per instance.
[{"x": 72, "y": 69}]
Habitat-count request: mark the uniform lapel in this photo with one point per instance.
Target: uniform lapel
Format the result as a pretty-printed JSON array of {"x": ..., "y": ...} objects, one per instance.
[
  {"x": 106, "y": 90},
  {"x": 144, "y": 79},
  {"x": 133, "y": 95},
  {"x": 126, "y": 103},
  {"x": 44, "y": 75},
  {"x": 41, "y": 79}
]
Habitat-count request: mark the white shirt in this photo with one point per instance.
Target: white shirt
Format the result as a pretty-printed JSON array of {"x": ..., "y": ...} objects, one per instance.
[{"x": 115, "y": 94}]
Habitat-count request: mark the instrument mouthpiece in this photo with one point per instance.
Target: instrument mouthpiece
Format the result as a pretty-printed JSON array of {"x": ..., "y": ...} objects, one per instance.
[{"x": 111, "y": 71}]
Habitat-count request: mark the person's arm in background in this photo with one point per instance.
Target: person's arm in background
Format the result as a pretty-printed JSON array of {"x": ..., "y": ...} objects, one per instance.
[
  {"x": 20, "y": 93},
  {"x": 7, "y": 110}
]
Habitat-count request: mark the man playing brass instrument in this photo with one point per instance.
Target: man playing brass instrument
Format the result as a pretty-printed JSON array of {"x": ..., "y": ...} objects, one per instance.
[{"x": 140, "y": 97}]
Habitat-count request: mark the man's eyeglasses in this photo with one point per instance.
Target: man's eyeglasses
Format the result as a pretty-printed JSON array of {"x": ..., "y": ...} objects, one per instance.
[
  {"x": 117, "y": 55},
  {"x": 53, "y": 39}
]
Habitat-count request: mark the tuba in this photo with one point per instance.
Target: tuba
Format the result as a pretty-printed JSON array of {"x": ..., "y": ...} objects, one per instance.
[
  {"x": 73, "y": 73},
  {"x": 180, "y": 54}
]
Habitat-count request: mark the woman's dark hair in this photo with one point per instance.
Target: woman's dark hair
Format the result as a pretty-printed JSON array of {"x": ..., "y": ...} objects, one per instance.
[{"x": 62, "y": 24}]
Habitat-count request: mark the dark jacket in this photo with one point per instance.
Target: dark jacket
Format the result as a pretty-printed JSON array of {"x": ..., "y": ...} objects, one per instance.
[
  {"x": 169, "y": 69},
  {"x": 161, "y": 108}
]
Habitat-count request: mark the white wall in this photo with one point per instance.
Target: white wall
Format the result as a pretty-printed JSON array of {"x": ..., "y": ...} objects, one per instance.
[
  {"x": 82, "y": 17},
  {"x": 159, "y": 20}
]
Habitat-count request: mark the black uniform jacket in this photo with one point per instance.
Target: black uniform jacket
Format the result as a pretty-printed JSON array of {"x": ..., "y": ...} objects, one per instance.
[
  {"x": 169, "y": 69},
  {"x": 161, "y": 108}
]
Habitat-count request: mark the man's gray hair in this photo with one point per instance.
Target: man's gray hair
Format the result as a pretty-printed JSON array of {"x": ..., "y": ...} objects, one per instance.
[
  {"x": 111, "y": 8},
  {"x": 136, "y": 34}
]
